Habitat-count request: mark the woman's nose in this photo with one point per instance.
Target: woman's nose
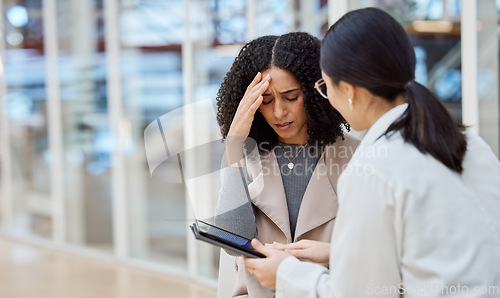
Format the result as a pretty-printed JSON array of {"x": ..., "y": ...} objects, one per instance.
[{"x": 279, "y": 109}]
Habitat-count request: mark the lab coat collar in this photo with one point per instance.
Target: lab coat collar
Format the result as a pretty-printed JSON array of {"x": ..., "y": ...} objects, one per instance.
[{"x": 381, "y": 125}]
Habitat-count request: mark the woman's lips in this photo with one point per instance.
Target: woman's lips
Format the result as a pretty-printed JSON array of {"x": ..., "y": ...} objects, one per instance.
[{"x": 284, "y": 125}]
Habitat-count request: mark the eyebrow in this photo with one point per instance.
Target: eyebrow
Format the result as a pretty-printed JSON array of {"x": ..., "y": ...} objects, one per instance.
[{"x": 284, "y": 92}]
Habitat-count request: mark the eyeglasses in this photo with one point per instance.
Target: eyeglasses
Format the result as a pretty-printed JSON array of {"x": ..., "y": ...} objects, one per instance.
[{"x": 320, "y": 86}]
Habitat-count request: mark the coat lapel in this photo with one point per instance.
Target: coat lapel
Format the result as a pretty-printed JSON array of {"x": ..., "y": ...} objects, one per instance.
[
  {"x": 319, "y": 204},
  {"x": 268, "y": 194}
]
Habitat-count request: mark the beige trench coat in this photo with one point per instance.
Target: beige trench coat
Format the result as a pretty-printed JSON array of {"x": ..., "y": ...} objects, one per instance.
[{"x": 317, "y": 210}]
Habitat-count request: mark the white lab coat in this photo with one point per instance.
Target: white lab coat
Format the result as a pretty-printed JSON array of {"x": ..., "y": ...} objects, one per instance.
[{"x": 408, "y": 225}]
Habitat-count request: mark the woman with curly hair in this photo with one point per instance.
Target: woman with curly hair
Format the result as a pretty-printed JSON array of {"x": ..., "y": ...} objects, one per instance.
[{"x": 285, "y": 148}]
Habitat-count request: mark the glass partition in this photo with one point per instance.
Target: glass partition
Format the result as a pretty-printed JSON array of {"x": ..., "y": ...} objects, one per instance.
[
  {"x": 218, "y": 33},
  {"x": 488, "y": 72},
  {"x": 85, "y": 119},
  {"x": 26, "y": 112},
  {"x": 279, "y": 17},
  {"x": 150, "y": 37}
]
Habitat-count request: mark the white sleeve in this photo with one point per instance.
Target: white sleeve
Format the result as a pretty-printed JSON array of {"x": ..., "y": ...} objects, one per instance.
[
  {"x": 364, "y": 258},
  {"x": 301, "y": 279}
]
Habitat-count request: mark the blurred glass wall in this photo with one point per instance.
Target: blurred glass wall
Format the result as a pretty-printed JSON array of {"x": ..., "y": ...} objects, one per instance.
[
  {"x": 26, "y": 113},
  {"x": 84, "y": 79}
]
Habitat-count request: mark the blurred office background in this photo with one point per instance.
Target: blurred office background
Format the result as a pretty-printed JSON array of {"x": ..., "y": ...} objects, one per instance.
[{"x": 81, "y": 81}]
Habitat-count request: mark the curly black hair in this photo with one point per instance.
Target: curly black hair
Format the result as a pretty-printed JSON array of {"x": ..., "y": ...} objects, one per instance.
[{"x": 298, "y": 53}]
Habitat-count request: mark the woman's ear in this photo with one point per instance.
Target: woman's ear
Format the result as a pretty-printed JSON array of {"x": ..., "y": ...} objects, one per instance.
[{"x": 348, "y": 89}]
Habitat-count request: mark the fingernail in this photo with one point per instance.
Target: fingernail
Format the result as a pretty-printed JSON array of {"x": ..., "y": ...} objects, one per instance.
[{"x": 268, "y": 76}]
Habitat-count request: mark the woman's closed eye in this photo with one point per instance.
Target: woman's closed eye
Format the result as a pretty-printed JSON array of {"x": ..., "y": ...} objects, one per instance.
[
  {"x": 266, "y": 102},
  {"x": 271, "y": 100}
]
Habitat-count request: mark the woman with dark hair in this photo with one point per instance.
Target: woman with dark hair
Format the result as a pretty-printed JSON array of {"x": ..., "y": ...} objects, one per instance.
[
  {"x": 285, "y": 148},
  {"x": 419, "y": 201}
]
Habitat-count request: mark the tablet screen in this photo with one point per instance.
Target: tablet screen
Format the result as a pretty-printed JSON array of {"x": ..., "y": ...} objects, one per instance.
[{"x": 210, "y": 230}]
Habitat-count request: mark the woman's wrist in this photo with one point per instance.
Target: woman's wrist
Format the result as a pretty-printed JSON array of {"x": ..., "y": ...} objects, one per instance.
[{"x": 234, "y": 151}]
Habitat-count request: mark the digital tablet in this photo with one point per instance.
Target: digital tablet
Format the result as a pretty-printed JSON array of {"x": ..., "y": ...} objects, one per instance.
[{"x": 225, "y": 239}]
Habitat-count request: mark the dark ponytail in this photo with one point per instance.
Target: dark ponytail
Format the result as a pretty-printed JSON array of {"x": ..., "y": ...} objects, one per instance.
[
  {"x": 370, "y": 49},
  {"x": 430, "y": 128}
]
